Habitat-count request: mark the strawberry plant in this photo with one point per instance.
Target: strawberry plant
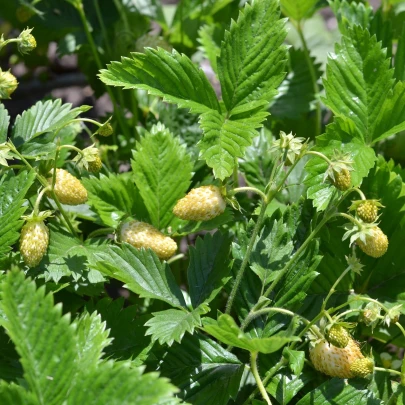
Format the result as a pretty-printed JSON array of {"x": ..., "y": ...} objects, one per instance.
[{"x": 232, "y": 238}]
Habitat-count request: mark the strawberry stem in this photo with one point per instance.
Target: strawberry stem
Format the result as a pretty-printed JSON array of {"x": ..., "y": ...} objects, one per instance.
[
  {"x": 39, "y": 198},
  {"x": 255, "y": 372},
  {"x": 388, "y": 370},
  {"x": 319, "y": 154},
  {"x": 252, "y": 189},
  {"x": 332, "y": 290}
]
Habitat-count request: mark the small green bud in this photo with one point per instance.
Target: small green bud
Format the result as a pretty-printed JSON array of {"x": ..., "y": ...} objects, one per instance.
[
  {"x": 27, "y": 41},
  {"x": 8, "y": 84},
  {"x": 105, "y": 130}
]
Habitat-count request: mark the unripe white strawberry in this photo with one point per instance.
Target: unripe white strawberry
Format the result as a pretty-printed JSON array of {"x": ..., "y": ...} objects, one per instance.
[
  {"x": 333, "y": 361},
  {"x": 34, "y": 242},
  {"x": 376, "y": 243},
  {"x": 68, "y": 189},
  {"x": 200, "y": 204},
  {"x": 143, "y": 235}
]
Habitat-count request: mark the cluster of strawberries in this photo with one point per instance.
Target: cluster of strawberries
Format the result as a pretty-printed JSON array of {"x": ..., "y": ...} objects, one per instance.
[
  {"x": 200, "y": 204},
  {"x": 340, "y": 355}
]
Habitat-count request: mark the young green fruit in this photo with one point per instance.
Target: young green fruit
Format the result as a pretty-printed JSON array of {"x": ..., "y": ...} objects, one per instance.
[
  {"x": 34, "y": 242},
  {"x": 200, "y": 204},
  {"x": 95, "y": 165},
  {"x": 105, "y": 130},
  {"x": 335, "y": 362},
  {"x": 68, "y": 189},
  {"x": 367, "y": 211},
  {"x": 342, "y": 180},
  {"x": 27, "y": 42},
  {"x": 362, "y": 367},
  {"x": 376, "y": 244},
  {"x": 338, "y": 336},
  {"x": 8, "y": 84},
  {"x": 143, "y": 235}
]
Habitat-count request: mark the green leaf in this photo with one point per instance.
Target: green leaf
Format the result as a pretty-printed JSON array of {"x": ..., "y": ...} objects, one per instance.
[
  {"x": 296, "y": 360},
  {"x": 12, "y": 192},
  {"x": 226, "y": 139},
  {"x": 48, "y": 116},
  {"x": 48, "y": 363},
  {"x": 66, "y": 366},
  {"x": 285, "y": 386},
  {"x": 271, "y": 251},
  {"x": 293, "y": 290},
  {"x": 208, "y": 45},
  {"x": 226, "y": 331},
  {"x": 12, "y": 394},
  {"x": 339, "y": 392},
  {"x": 92, "y": 338},
  {"x": 114, "y": 197},
  {"x": 296, "y": 92},
  {"x": 391, "y": 119},
  {"x": 118, "y": 383},
  {"x": 162, "y": 172},
  {"x": 205, "y": 372},
  {"x": 350, "y": 14},
  {"x": 298, "y": 10},
  {"x": 256, "y": 164},
  {"x": 68, "y": 256},
  {"x": 400, "y": 56},
  {"x": 171, "y": 325},
  {"x": 142, "y": 272},
  {"x": 359, "y": 87},
  {"x": 340, "y": 135},
  {"x": 169, "y": 75},
  {"x": 209, "y": 267},
  {"x": 4, "y": 122},
  {"x": 126, "y": 328},
  {"x": 252, "y": 61}
]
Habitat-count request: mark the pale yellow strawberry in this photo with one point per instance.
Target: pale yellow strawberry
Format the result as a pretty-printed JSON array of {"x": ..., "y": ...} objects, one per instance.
[
  {"x": 34, "y": 242},
  {"x": 333, "y": 361},
  {"x": 200, "y": 204},
  {"x": 68, "y": 189},
  {"x": 376, "y": 244},
  {"x": 143, "y": 235}
]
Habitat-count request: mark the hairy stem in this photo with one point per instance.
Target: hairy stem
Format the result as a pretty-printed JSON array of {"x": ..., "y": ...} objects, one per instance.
[
  {"x": 39, "y": 198},
  {"x": 332, "y": 289},
  {"x": 252, "y": 189},
  {"x": 387, "y": 370},
  {"x": 319, "y": 154},
  {"x": 259, "y": 382},
  {"x": 246, "y": 259},
  {"x": 297, "y": 254}
]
